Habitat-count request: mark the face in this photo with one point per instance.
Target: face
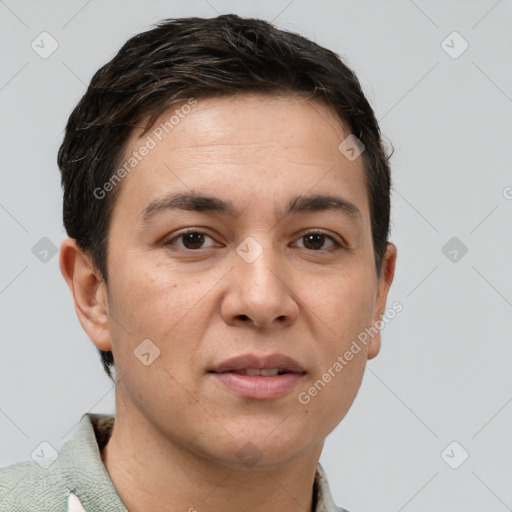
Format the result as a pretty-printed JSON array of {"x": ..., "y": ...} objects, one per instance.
[{"x": 241, "y": 241}]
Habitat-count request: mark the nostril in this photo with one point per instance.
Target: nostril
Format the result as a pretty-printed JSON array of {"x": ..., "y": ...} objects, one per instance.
[{"x": 243, "y": 317}]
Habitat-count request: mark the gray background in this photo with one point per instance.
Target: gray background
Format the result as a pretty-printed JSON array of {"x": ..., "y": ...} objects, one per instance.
[{"x": 444, "y": 372}]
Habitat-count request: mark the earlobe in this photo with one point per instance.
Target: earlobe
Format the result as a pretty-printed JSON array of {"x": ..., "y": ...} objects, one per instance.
[
  {"x": 374, "y": 346},
  {"x": 88, "y": 291}
]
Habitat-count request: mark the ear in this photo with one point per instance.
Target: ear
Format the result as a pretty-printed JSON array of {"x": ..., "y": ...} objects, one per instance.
[
  {"x": 89, "y": 293},
  {"x": 386, "y": 278}
]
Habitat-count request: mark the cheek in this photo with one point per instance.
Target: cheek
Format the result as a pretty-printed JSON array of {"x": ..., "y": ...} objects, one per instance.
[
  {"x": 343, "y": 306},
  {"x": 168, "y": 307},
  {"x": 150, "y": 301},
  {"x": 343, "y": 311},
  {"x": 329, "y": 395}
]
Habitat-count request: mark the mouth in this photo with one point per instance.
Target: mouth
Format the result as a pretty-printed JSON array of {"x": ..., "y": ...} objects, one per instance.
[
  {"x": 264, "y": 372},
  {"x": 259, "y": 377}
]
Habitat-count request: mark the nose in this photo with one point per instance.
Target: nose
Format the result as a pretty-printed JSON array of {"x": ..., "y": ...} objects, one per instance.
[{"x": 260, "y": 292}]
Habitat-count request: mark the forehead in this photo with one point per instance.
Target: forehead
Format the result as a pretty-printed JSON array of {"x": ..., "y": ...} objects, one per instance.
[
  {"x": 242, "y": 121},
  {"x": 246, "y": 147}
]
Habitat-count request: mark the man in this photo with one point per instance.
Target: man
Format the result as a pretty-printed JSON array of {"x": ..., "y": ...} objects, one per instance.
[{"x": 226, "y": 197}]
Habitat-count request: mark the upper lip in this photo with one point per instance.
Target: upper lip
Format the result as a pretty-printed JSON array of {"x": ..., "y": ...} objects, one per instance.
[{"x": 262, "y": 362}]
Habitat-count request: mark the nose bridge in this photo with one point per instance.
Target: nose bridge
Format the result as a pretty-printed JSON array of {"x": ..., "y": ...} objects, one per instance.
[
  {"x": 260, "y": 265},
  {"x": 260, "y": 292}
]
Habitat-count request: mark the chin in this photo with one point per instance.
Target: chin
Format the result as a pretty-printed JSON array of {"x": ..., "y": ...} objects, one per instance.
[{"x": 265, "y": 448}]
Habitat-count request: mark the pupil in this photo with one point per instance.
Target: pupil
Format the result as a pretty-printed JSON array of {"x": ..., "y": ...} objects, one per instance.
[
  {"x": 311, "y": 239},
  {"x": 194, "y": 239}
]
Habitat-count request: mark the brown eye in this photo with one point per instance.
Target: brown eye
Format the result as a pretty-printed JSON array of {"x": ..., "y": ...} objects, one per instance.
[
  {"x": 316, "y": 241},
  {"x": 191, "y": 240}
]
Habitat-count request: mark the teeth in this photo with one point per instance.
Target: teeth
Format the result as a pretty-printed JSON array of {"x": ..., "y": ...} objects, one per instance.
[
  {"x": 270, "y": 371},
  {"x": 266, "y": 372}
]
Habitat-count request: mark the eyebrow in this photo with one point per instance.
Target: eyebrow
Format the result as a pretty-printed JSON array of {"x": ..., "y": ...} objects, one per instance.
[{"x": 210, "y": 204}]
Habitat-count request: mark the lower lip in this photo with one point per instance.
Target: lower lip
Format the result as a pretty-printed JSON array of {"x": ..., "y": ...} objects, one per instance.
[{"x": 259, "y": 387}]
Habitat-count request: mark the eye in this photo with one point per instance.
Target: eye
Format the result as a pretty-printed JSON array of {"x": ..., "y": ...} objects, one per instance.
[
  {"x": 195, "y": 240},
  {"x": 314, "y": 241},
  {"x": 191, "y": 240}
]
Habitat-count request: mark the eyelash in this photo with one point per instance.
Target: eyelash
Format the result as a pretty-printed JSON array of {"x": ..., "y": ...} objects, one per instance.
[{"x": 337, "y": 245}]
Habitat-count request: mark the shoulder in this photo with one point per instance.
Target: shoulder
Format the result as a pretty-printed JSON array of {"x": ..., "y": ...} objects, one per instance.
[
  {"x": 45, "y": 484},
  {"x": 26, "y": 486}
]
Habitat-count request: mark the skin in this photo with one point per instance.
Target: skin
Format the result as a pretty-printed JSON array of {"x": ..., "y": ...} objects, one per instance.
[{"x": 178, "y": 431}]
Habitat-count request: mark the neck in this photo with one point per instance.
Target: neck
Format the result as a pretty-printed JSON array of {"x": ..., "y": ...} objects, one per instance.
[{"x": 153, "y": 473}]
